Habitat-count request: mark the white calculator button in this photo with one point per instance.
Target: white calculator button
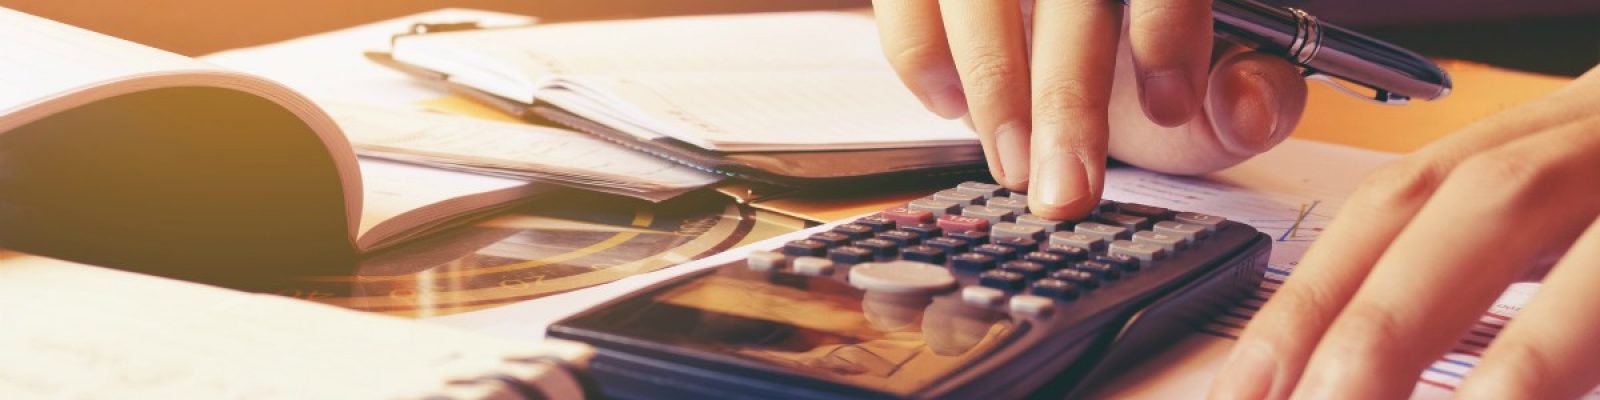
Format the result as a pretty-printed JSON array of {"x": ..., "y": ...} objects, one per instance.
[
  {"x": 812, "y": 266},
  {"x": 902, "y": 276},
  {"x": 1211, "y": 222},
  {"x": 762, "y": 260},
  {"x": 1031, "y": 305},
  {"x": 982, "y": 296}
]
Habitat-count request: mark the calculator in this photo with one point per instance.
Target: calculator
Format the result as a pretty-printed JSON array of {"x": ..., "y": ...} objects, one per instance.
[{"x": 963, "y": 294}]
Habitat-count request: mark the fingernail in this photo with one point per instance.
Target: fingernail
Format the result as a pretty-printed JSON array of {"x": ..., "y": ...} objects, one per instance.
[
  {"x": 1250, "y": 125},
  {"x": 1248, "y": 374},
  {"x": 948, "y": 101},
  {"x": 1168, "y": 98},
  {"x": 1012, "y": 142},
  {"x": 1063, "y": 184}
]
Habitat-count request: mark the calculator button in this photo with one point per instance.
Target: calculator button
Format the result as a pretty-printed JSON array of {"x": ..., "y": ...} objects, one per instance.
[
  {"x": 988, "y": 190},
  {"x": 1084, "y": 279},
  {"x": 972, "y": 237},
  {"x": 1028, "y": 269},
  {"x": 1189, "y": 232},
  {"x": 812, "y": 266},
  {"x": 1020, "y": 245},
  {"x": 900, "y": 238},
  {"x": 1002, "y": 279},
  {"x": 1000, "y": 253},
  {"x": 1011, "y": 229},
  {"x": 1019, "y": 197},
  {"x": 1048, "y": 225},
  {"x": 957, "y": 223},
  {"x": 1121, "y": 261},
  {"x": 1145, "y": 252},
  {"x": 806, "y": 247},
  {"x": 1033, "y": 306},
  {"x": 927, "y": 231},
  {"x": 904, "y": 215},
  {"x": 1102, "y": 231},
  {"x": 982, "y": 296},
  {"x": 1016, "y": 206},
  {"x": 763, "y": 260},
  {"x": 1071, "y": 254},
  {"x": 972, "y": 262},
  {"x": 950, "y": 245},
  {"x": 991, "y": 214},
  {"x": 963, "y": 198},
  {"x": 880, "y": 248},
  {"x": 1101, "y": 271},
  {"x": 1129, "y": 222},
  {"x": 1211, "y": 222},
  {"x": 1080, "y": 240},
  {"x": 1170, "y": 243},
  {"x": 878, "y": 223},
  {"x": 1050, "y": 261},
  {"x": 1056, "y": 289},
  {"x": 901, "y": 277},
  {"x": 923, "y": 253},
  {"x": 854, "y": 231},
  {"x": 832, "y": 239},
  {"x": 938, "y": 207},
  {"x": 1142, "y": 210},
  {"x": 850, "y": 255}
]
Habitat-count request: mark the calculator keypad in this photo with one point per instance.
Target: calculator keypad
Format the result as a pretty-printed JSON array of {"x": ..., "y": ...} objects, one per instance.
[{"x": 1013, "y": 258}]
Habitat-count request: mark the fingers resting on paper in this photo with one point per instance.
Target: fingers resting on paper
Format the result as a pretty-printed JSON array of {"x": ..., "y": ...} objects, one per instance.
[
  {"x": 1422, "y": 249},
  {"x": 1052, "y": 86}
]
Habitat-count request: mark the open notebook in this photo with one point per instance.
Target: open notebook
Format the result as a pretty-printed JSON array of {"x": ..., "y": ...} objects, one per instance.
[
  {"x": 119, "y": 154},
  {"x": 797, "y": 95}
]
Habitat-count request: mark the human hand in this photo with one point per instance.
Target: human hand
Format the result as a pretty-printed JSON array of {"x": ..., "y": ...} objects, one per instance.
[
  {"x": 1425, "y": 246},
  {"x": 1047, "y": 118}
]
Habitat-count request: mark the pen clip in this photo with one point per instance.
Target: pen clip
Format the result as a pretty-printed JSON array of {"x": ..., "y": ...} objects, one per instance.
[{"x": 1377, "y": 95}]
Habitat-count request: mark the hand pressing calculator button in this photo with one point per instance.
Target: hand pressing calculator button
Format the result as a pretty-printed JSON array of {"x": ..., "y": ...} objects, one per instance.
[{"x": 1005, "y": 300}]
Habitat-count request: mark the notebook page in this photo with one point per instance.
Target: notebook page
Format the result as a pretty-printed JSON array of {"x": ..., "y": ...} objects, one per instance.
[
  {"x": 75, "y": 58},
  {"x": 511, "y": 62},
  {"x": 785, "y": 110},
  {"x": 399, "y": 197},
  {"x": 558, "y": 154},
  {"x": 82, "y": 332}
]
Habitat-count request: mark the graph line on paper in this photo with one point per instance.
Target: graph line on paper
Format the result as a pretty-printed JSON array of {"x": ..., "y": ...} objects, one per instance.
[{"x": 1306, "y": 225}]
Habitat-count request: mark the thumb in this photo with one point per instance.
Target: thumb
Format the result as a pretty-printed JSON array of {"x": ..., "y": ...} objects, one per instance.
[{"x": 1254, "y": 102}]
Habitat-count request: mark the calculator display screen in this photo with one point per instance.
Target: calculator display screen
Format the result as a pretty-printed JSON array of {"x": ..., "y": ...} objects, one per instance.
[{"x": 819, "y": 326}]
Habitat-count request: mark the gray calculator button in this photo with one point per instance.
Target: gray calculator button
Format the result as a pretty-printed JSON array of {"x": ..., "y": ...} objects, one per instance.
[
  {"x": 1016, "y": 206},
  {"x": 1189, "y": 232},
  {"x": 988, "y": 190},
  {"x": 1020, "y": 197},
  {"x": 992, "y": 214},
  {"x": 763, "y": 260},
  {"x": 1009, "y": 229},
  {"x": 1031, "y": 305},
  {"x": 982, "y": 296},
  {"x": 1079, "y": 240},
  {"x": 938, "y": 207},
  {"x": 958, "y": 196},
  {"x": 812, "y": 266},
  {"x": 901, "y": 277},
  {"x": 1211, "y": 222},
  {"x": 1130, "y": 222},
  {"x": 1145, "y": 252},
  {"x": 1049, "y": 225},
  {"x": 1103, "y": 231},
  {"x": 1168, "y": 242}
]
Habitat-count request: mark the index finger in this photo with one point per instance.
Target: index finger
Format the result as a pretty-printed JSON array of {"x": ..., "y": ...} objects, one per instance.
[{"x": 1074, "y": 56}]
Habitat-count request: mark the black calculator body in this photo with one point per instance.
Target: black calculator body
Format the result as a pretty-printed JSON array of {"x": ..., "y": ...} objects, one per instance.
[{"x": 803, "y": 322}]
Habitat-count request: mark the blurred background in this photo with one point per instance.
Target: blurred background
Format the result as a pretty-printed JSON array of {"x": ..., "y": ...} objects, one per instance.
[{"x": 1548, "y": 36}]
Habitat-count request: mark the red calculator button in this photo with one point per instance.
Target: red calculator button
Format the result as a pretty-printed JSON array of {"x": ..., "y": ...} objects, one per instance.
[
  {"x": 960, "y": 223},
  {"x": 903, "y": 216}
]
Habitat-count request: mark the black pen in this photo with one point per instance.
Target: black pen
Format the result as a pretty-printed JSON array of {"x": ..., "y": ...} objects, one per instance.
[{"x": 1394, "y": 74}]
